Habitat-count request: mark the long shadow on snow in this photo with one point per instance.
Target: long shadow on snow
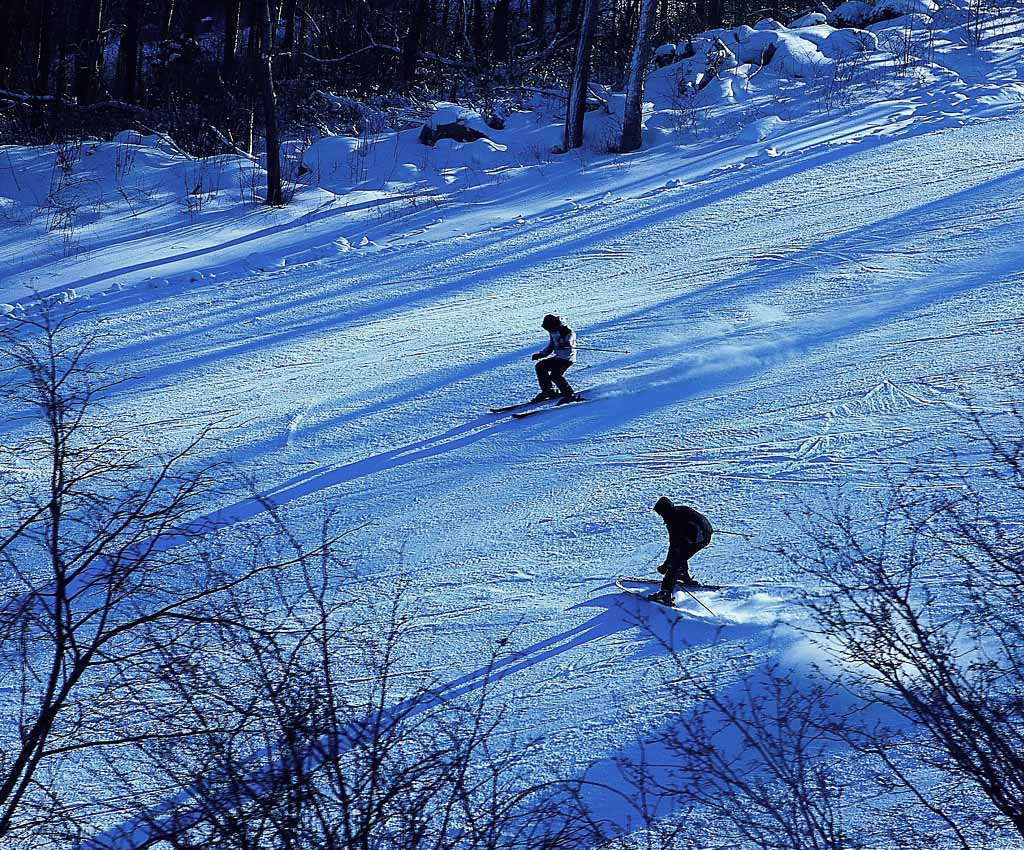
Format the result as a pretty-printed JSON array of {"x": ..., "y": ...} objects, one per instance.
[
  {"x": 860, "y": 134},
  {"x": 608, "y": 788},
  {"x": 687, "y": 378},
  {"x": 693, "y": 375},
  {"x": 779, "y": 273},
  {"x": 529, "y": 256},
  {"x": 619, "y": 612}
]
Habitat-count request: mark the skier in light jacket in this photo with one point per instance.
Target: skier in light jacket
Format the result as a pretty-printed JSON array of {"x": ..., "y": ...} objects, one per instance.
[{"x": 554, "y": 359}]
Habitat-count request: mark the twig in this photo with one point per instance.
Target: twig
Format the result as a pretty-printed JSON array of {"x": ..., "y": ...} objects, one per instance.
[
  {"x": 168, "y": 139},
  {"x": 388, "y": 48},
  {"x": 23, "y": 97},
  {"x": 227, "y": 142}
]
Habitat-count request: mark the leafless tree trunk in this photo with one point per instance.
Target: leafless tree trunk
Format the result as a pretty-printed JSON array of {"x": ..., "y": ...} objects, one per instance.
[
  {"x": 573, "y": 137},
  {"x": 632, "y": 118},
  {"x": 412, "y": 41},
  {"x": 166, "y": 19},
  {"x": 275, "y": 196},
  {"x": 89, "y": 54},
  {"x": 499, "y": 44},
  {"x": 43, "y": 47},
  {"x": 288, "y": 9},
  {"x": 538, "y": 19},
  {"x": 128, "y": 53},
  {"x": 232, "y": 17}
]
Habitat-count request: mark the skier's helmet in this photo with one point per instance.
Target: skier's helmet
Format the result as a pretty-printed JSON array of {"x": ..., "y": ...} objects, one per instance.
[
  {"x": 551, "y": 322},
  {"x": 663, "y": 505}
]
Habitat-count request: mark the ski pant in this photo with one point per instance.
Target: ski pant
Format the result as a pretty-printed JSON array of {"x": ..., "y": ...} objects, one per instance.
[
  {"x": 677, "y": 568},
  {"x": 552, "y": 371}
]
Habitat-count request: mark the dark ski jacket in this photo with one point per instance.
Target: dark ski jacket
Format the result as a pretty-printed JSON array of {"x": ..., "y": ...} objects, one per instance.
[{"x": 689, "y": 530}]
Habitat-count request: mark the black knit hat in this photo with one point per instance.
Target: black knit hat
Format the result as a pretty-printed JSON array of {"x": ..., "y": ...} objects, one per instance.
[
  {"x": 663, "y": 504},
  {"x": 551, "y": 322}
]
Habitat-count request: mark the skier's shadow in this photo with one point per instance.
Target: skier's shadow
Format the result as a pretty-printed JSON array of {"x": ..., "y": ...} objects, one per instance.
[{"x": 665, "y": 632}]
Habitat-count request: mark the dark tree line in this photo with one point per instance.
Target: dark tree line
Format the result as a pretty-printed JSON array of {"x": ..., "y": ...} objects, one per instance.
[{"x": 95, "y": 66}]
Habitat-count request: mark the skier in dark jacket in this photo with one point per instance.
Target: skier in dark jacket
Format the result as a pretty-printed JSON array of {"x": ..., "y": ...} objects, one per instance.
[
  {"x": 689, "y": 531},
  {"x": 554, "y": 359}
]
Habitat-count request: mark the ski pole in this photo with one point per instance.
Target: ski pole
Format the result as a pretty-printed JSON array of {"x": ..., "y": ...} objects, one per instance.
[
  {"x": 608, "y": 350},
  {"x": 735, "y": 534},
  {"x": 695, "y": 599}
]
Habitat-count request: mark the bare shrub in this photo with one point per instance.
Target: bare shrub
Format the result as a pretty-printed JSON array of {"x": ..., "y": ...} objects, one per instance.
[{"x": 102, "y": 576}]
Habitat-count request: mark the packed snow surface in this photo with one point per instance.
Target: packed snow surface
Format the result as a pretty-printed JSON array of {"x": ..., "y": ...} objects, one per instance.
[{"x": 802, "y": 294}]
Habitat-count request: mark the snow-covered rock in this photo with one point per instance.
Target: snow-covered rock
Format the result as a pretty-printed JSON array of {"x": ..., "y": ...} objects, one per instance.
[
  {"x": 665, "y": 54},
  {"x": 797, "y": 57},
  {"x": 769, "y": 24},
  {"x": 451, "y": 121},
  {"x": 484, "y": 153},
  {"x": 810, "y": 20},
  {"x": 849, "y": 42},
  {"x": 130, "y": 137},
  {"x": 684, "y": 50},
  {"x": 758, "y": 47},
  {"x": 852, "y": 13},
  {"x": 794, "y": 53},
  {"x": 721, "y": 57},
  {"x": 8, "y": 209},
  {"x": 896, "y": 8},
  {"x": 904, "y": 23},
  {"x": 7, "y": 310},
  {"x": 861, "y": 15},
  {"x": 711, "y": 35},
  {"x": 948, "y": 17},
  {"x": 817, "y": 34}
]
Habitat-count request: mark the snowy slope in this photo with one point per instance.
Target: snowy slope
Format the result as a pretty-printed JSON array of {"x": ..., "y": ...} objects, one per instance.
[{"x": 799, "y": 311}]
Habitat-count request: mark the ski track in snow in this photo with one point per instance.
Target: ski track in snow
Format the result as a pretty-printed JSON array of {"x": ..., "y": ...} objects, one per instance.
[{"x": 802, "y": 323}]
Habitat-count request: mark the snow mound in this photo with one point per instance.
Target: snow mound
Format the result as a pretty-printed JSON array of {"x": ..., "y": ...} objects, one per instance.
[
  {"x": 852, "y": 13},
  {"x": 797, "y": 57},
  {"x": 757, "y": 46},
  {"x": 902, "y": 24},
  {"x": 761, "y": 129},
  {"x": 811, "y": 20},
  {"x": 897, "y": 8},
  {"x": 859, "y": 14},
  {"x": 665, "y": 52},
  {"x": 849, "y": 42},
  {"x": 452, "y": 113}
]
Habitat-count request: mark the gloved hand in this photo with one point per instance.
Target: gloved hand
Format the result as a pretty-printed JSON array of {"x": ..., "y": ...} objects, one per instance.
[{"x": 536, "y": 356}]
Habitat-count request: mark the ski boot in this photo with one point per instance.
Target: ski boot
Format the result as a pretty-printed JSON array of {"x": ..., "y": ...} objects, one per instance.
[
  {"x": 543, "y": 395},
  {"x": 662, "y": 597},
  {"x": 568, "y": 399}
]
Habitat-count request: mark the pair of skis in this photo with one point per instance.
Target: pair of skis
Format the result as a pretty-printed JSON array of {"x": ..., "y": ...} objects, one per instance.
[
  {"x": 532, "y": 408},
  {"x": 690, "y": 589}
]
